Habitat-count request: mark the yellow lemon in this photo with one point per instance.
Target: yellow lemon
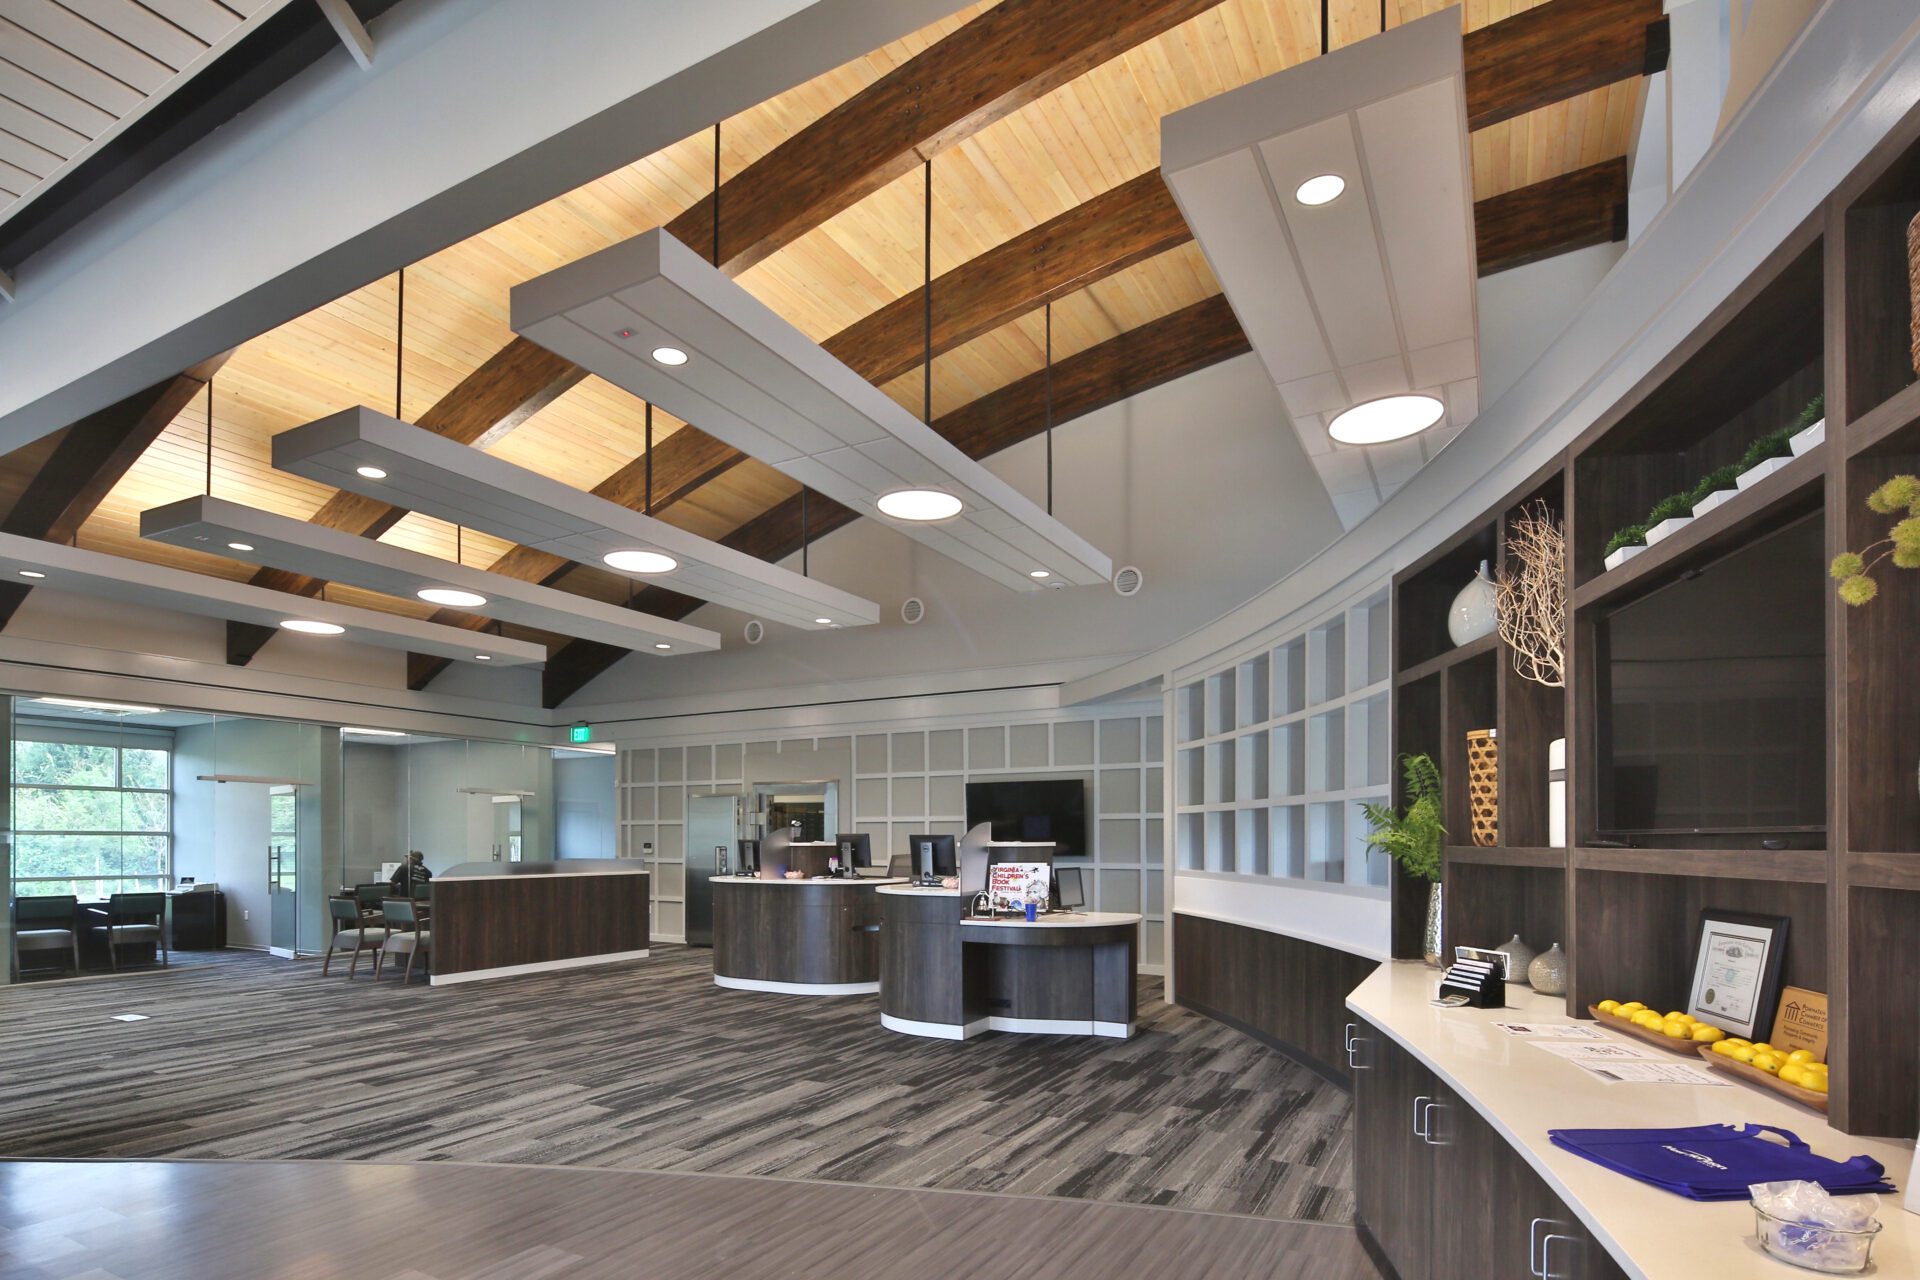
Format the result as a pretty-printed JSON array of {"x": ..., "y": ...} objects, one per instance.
[
  {"x": 1628, "y": 1009},
  {"x": 1791, "y": 1073},
  {"x": 1677, "y": 1030},
  {"x": 1819, "y": 1068},
  {"x": 1608, "y": 1006},
  {"x": 1814, "y": 1080},
  {"x": 1677, "y": 1016},
  {"x": 1762, "y": 1047},
  {"x": 1767, "y": 1063},
  {"x": 1799, "y": 1056},
  {"x": 1704, "y": 1034},
  {"x": 1741, "y": 1054}
]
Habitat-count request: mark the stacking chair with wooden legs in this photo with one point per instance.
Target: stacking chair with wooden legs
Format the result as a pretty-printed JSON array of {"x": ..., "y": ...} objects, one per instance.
[
  {"x": 351, "y": 933},
  {"x": 133, "y": 919},
  {"x": 404, "y": 934}
]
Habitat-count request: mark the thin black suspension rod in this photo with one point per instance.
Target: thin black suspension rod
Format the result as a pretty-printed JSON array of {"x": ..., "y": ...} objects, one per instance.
[
  {"x": 926, "y": 297},
  {"x": 209, "y": 437},
  {"x": 716, "y": 193},
  {"x": 804, "y": 540},
  {"x": 1047, "y": 381},
  {"x": 649, "y": 457},
  {"x": 1324, "y": 41},
  {"x": 399, "y": 344}
]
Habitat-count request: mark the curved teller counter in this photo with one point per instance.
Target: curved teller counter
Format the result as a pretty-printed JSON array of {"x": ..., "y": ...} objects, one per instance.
[
  {"x": 814, "y": 937},
  {"x": 498, "y": 919},
  {"x": 945, "y": 975}
]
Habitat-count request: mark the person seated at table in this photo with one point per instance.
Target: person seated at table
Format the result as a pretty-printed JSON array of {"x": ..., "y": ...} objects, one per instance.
[{"x": 411, "y": 874}]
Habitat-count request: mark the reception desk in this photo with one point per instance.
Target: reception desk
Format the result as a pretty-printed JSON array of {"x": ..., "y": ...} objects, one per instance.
[
  {"x": 498, "y": 919},
  {"x": 799, "y": 937},
  {"x": 949, "y": 977}
]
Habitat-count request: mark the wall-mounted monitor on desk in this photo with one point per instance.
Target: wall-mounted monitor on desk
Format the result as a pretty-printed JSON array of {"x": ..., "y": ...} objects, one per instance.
[
  {"x": 1068, "y": 891},
  {"x": 1052, "y": 810}
]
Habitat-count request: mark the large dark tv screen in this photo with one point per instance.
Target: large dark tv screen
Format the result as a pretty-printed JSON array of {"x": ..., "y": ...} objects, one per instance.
[{"x": 1053, "y": 810}]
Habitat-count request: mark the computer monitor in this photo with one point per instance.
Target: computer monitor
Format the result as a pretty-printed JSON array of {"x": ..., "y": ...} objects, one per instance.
[
  {"x": 1067, "y": 888},
  {"x": 933, "y": 856},
  {"x": 856, "y": 850},
  {"x": 749, "y": 858},
  {"x": 900, "y": 866}
]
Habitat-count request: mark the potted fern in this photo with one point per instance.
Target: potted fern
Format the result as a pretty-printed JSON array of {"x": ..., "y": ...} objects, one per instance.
[{"x": 1414, "y": 839}]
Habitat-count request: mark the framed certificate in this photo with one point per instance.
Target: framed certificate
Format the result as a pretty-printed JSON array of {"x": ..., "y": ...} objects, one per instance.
[{"x": 1736, "y": 971}]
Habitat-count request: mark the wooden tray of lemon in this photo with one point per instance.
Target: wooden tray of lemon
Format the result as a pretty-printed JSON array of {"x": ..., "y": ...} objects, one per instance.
[
  {"x": 1679, "y": 1033},
  {"x": 1771, "y": 1068}
]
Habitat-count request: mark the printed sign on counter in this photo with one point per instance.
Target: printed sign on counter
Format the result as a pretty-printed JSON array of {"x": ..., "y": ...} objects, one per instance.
[{"x": 1014, "y": 884}]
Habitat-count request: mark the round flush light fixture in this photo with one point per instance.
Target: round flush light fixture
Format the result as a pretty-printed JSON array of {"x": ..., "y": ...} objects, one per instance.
[
  {"x": 483, "y": 657},
  {"x": 1389, "y": 418},
  {"x": 307, "y": 626},
  {"x": 1323, "y": 189},
  {"x": 239, "y": 546},
  {"x": 451, "y": 596},
  {"x": 661, "y": 644},
  {"x": 1039, "y": 573},
  {"x": 32, "y": 573},
  {"x": 669, "y": 355},
  {"x": 919, "y": 504},
  {"x": 640, "y": 562},
  {"x": 823, "y": 622},
  {"x": 371, "y": 473}
]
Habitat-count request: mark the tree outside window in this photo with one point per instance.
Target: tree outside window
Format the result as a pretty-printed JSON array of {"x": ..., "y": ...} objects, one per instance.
[{"x": 91, "y": 820}]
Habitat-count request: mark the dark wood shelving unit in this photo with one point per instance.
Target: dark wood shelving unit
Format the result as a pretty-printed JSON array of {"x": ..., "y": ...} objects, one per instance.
[{"x": 1828, "y": 313}]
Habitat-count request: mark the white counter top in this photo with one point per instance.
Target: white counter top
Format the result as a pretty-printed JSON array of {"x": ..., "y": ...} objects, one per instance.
[
  {"x": 1057, "y": 920},
  {"x": 918, "y": 890},
  {"x": 1524, "y": 1091},
  {"x": 858, "y": 882},
  {"x": 541, "y": 871}
]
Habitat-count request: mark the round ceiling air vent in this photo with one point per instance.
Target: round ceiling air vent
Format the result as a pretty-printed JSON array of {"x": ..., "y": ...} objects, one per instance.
[
  {"x": 756, "y": 631},
  {"x": 912, "y": 609},
  {"x": 1128, "y": 581}
]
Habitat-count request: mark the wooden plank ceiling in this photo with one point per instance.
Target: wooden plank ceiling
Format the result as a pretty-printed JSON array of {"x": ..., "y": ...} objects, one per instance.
[{"x": 1082, "y": 133}]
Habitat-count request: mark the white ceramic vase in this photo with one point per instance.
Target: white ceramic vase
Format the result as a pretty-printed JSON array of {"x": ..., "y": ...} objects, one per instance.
[{"x": 1473, "y": 613}]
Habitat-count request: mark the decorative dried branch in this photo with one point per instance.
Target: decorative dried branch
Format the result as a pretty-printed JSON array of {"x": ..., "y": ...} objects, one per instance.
[{"x": 1531, "y": 596}]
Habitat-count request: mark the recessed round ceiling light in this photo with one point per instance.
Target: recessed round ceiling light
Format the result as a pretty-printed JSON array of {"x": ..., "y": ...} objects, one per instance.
[
  {"x": 661, "y": 644},
  {"x": 669, "y": 355},
  {"x": 307, "y": 626},
  {"x": 371, "y": 473},
  {"x": 32, "y": 573},
  {"x": 483, "y": 657},
  {"x": 239, "y": 546},
  {"x": 451, "y": 596},
  {"x": 1389, "y": 418},
  {"x": 640, "y": 561},
  {"x": 1039, "y": 573},
  {"x": 824, "y": 622},
  {"x": 1320, "y": 190},
  {"x": 919, "y": 504}
]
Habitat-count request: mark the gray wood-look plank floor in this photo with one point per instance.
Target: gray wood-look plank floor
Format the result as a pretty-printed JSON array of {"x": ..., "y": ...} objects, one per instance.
[
  {"x": 317, "y": 1220},
  {"x": 651, "y": 1067}
]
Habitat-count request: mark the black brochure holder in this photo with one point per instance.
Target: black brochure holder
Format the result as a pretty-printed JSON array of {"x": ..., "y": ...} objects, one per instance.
[{"x": 1481, "y": 984}]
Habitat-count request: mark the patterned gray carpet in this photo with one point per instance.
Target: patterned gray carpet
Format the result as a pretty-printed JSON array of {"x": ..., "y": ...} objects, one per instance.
[{"x": 652, "y": 1067}]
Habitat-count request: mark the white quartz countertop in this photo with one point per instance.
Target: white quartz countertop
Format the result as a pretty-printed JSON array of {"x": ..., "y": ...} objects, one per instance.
[
  {"x": 920, "y": 890},
  {"x": 1524, "y": 1091},
  {"x": 859, "y": 882},
  {"x": 540, "y": 871},
  {"x": 1056, "y": 920}
]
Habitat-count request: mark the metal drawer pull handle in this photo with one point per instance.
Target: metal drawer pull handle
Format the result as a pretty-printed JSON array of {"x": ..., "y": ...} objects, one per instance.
[
  {"x": 1536, "y": 1265},
  {"x": 1546, "y": 1251},
  {"x": 1419, "y": 1131},
  {"x": 1353, "y": 1048},
  {"x": 1427, "y": 1132}
]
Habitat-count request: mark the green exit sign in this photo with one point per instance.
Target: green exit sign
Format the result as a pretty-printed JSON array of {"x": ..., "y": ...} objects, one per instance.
[{"x": 580, "y": 733}]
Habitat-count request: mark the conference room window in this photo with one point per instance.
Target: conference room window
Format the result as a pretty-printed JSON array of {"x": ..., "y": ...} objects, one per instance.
[{"x": 90, "y": 818}]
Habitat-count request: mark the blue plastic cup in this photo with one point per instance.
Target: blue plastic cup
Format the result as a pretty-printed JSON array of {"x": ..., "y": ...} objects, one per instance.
[{"x": 1033, "y": 912}]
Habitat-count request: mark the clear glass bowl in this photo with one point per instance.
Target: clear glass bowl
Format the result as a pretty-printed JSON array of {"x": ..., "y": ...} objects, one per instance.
[{"x": 1830, "y": 1250}]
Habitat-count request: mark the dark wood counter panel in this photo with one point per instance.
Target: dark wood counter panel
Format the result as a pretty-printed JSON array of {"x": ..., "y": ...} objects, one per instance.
[
  {"x": 799, "y": 937},
  {"x": 493, "y": 926}
]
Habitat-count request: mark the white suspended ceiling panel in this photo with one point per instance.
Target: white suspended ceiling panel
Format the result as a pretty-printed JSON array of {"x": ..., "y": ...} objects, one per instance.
[
  {"x": 756, "y": 382},
  {"x": 457, "y": 483},
  {"x": 155, "y": 586},
  {"x": 240, "y": 532},
  {"x": 1372, "y": 294},
  {"x": 75, "y": 74}
]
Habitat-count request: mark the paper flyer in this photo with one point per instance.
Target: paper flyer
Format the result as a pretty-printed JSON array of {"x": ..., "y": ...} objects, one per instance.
[
  {"x": 1550, "y": 1030},
  {"x": 1654, "y": 1073}
]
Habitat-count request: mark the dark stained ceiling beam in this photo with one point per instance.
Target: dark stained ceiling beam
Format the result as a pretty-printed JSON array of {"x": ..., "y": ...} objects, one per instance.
[
  {"x": 90, "y": 459},
  {"x": 1184, "y": 342},
  {"x": 1009, "y": 56},
  {"x": 1557, "y": 51},
  {"x": 1573, "y": 211}
]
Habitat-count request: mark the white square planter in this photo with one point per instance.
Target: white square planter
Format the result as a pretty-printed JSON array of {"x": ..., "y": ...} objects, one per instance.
[
  {"x": 1623, "y": 555},
  {"x": 1748, "y": 479},
  {"x": 1719, "y": 497},
  {"x": 1810, "y": 438},
  {"x": 1667, "y": 527}
]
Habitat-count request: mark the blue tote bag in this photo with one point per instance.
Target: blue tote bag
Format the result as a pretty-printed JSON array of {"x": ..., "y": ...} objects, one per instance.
[{"x": 1719, "y": 1161}]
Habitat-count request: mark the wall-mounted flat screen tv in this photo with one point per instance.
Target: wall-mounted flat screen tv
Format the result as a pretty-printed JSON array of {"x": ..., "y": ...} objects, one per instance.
[
  {"x": 1713, "y": 700},
  {"x": 1054, "y": 809}
]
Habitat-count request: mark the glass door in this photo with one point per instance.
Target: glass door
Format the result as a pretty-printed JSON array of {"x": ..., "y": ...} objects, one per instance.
[{"x": 283, "y": 868}]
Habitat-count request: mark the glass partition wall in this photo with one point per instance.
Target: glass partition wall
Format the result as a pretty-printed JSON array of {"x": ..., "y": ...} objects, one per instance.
[{"x": 107, "y": 797}]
